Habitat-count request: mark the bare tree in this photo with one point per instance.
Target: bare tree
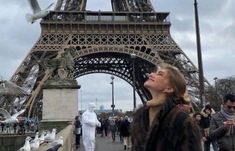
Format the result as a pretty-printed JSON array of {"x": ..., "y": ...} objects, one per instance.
[
  {"x": 215, "y": 94},
  {"x": 225, "y": 86}
]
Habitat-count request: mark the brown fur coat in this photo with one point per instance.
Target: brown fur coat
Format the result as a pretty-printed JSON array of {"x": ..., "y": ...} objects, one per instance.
[{"x": 172, "y": 130}]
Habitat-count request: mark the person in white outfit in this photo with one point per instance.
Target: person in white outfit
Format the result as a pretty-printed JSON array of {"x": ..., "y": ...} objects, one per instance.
[{"x": 89, "y": 123}]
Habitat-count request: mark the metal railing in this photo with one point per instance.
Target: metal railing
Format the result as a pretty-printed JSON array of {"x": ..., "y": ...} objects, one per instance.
[{"x": 86, "y": 16}]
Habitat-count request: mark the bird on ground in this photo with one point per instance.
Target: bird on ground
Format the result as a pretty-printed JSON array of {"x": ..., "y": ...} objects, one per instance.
[
  {"x": 42, "y": 137},
  {"x": 37, "y": 11},
  {"x": 58, "y": 141},
  {"x": 54, "y": 148},
  {"x": 35, "y": 138},
  {"x": 8, "y": 117},
  {"x": 52, "y": 135},
  {"x": 35, "y": 144},
  {"x": 26, "y": 146},
  {"x": 47, "y": 135}
]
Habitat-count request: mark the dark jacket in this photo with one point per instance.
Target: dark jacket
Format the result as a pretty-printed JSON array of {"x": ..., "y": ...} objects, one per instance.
[
  {"x": 78, "y": 126},
  {"x": 125, "y": 128},
  {"x": 220, "y": 133},
  {"x": 172, "y": 130}
]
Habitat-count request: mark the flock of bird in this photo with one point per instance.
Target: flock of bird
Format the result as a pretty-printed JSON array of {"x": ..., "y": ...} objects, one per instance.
[{"x": 45, "y": 137}]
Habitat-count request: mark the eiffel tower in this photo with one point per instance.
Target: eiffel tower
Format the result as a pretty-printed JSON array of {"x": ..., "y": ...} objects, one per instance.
[{"x": 103, "y": 42}]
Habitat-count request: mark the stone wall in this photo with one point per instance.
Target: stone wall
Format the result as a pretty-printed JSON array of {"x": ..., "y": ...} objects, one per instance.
[{"x": 12, "y": 142}]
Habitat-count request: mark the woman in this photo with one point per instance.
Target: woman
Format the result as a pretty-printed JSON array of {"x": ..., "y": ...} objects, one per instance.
[
  {"x": 163, "y": 124},
  {"x": 78, "y": 126},
  {"x": 198, "y": 119},
  {"x": 206, "y": 118}
]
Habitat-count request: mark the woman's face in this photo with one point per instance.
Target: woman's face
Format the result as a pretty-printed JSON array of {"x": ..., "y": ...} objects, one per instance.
[
  {"x": 158, "y": 81},
  {"x": 198, "y": 117}
]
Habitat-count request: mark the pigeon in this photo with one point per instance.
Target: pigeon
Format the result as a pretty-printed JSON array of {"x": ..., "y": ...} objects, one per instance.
[
  {"x": 54, "y": 148},
  {"x": 47, "y": 135},
  {"x": 37, "y": 12},
  {"x": 35, "y": 138},
  {"x": 42, "y": 137},
  {"x": 56, "y": 144},
  {"x": 35, "y": 144},
  {"x": 58, "y": 141},
  {"x": 9, "y": 118},
  {"x": 8, "y": 88},
  {"x": 52, "y": 135},
  {"x": 26, "y": 146}
]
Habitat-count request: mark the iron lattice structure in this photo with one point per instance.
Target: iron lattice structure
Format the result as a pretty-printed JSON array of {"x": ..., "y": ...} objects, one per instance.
[{"x": 102, "y": 42}]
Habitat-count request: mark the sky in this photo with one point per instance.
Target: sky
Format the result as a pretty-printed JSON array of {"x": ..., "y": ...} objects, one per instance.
[{"x": 217, "y": 28}]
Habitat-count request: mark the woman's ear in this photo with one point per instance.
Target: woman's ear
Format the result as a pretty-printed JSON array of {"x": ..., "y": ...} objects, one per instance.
[{"x": 169, "y": 90}]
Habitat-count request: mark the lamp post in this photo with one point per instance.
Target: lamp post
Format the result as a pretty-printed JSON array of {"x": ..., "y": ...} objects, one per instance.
[
  {"x": 81, "y": 98},
  {"x": 112, "y": 83},
  {"x": 199, "y": 54},
  {"x": 215, "y": 78},
  {"x": 133, "y": 57}
]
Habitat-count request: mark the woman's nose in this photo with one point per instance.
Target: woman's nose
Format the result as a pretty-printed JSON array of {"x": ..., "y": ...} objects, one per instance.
[{"x": 147, "y": 74}]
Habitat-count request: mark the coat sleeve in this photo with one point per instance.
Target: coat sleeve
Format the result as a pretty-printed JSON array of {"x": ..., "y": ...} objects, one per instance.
[
  {"x": 216, "y": 130},
  {"x": 192, "y": 136},
  {"x": 87, "y": 120}
]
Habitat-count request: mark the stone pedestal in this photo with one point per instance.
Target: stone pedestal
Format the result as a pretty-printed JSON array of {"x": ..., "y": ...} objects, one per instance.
[{"x": 60, "y": 103}]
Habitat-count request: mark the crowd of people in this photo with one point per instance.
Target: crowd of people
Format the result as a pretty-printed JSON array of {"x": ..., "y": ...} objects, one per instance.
[
  {"x": 88, "y": 126},
  {"x": 218, "y": 128},
  {"x": 166, "y": 122},
  {"x": 117, "y": 127},
  {"x": 21, "y": 127}
]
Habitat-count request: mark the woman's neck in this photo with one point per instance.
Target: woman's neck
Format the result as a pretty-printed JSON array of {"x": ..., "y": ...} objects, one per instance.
[
  {"x": 157, "y": 100},
  {"x": 154, "y": 106},
  {"x": 153, "y": 111}
]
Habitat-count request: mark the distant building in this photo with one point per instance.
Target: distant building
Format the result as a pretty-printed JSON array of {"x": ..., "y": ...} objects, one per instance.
[
  {"x": 101, "y": 107},
  {"x": 107, "y": 111},
  {"x": 102, "y": 110}
]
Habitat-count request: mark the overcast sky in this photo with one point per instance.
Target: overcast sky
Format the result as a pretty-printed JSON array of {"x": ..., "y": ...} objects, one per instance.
[{"x": 217, "y": 25}]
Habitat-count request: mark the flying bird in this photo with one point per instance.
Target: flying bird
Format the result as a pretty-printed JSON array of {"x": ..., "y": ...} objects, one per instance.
[
  {"x": 8, "y": 88},
  {"x": 58, "y": 5},
  {"x": 8, "y": 117},
  {"x": 37, "y": 12}
]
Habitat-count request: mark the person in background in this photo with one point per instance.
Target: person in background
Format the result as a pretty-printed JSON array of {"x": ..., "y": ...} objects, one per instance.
[
  {"x": 7, "y": 127},
  {"x": 222, "y": 125},
  {"x": 77, "y": 125},
  {"x": 163, "y": 123},
  {"x": 119, "y": 122},
  {"x": 106, "y": 126},
  {"x": 113, "y": 128},
  {"x": 125, "y": 130},
  {"x": 15, "y": 127},
  {"x": 206, "y": 112},
  {"x": 89, "y": 123},
  {"x": 2, "y": 124},
  {"x": 198, "y": 118},
  {"x": 21, "y": 130}
]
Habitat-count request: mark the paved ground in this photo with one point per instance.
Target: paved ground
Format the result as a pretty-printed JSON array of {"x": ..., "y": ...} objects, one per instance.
[{"x": 106, "y": 144}]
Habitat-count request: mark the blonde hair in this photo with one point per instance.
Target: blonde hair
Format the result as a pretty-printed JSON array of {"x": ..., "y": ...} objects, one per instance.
[{"x": 176, "y": 80}]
